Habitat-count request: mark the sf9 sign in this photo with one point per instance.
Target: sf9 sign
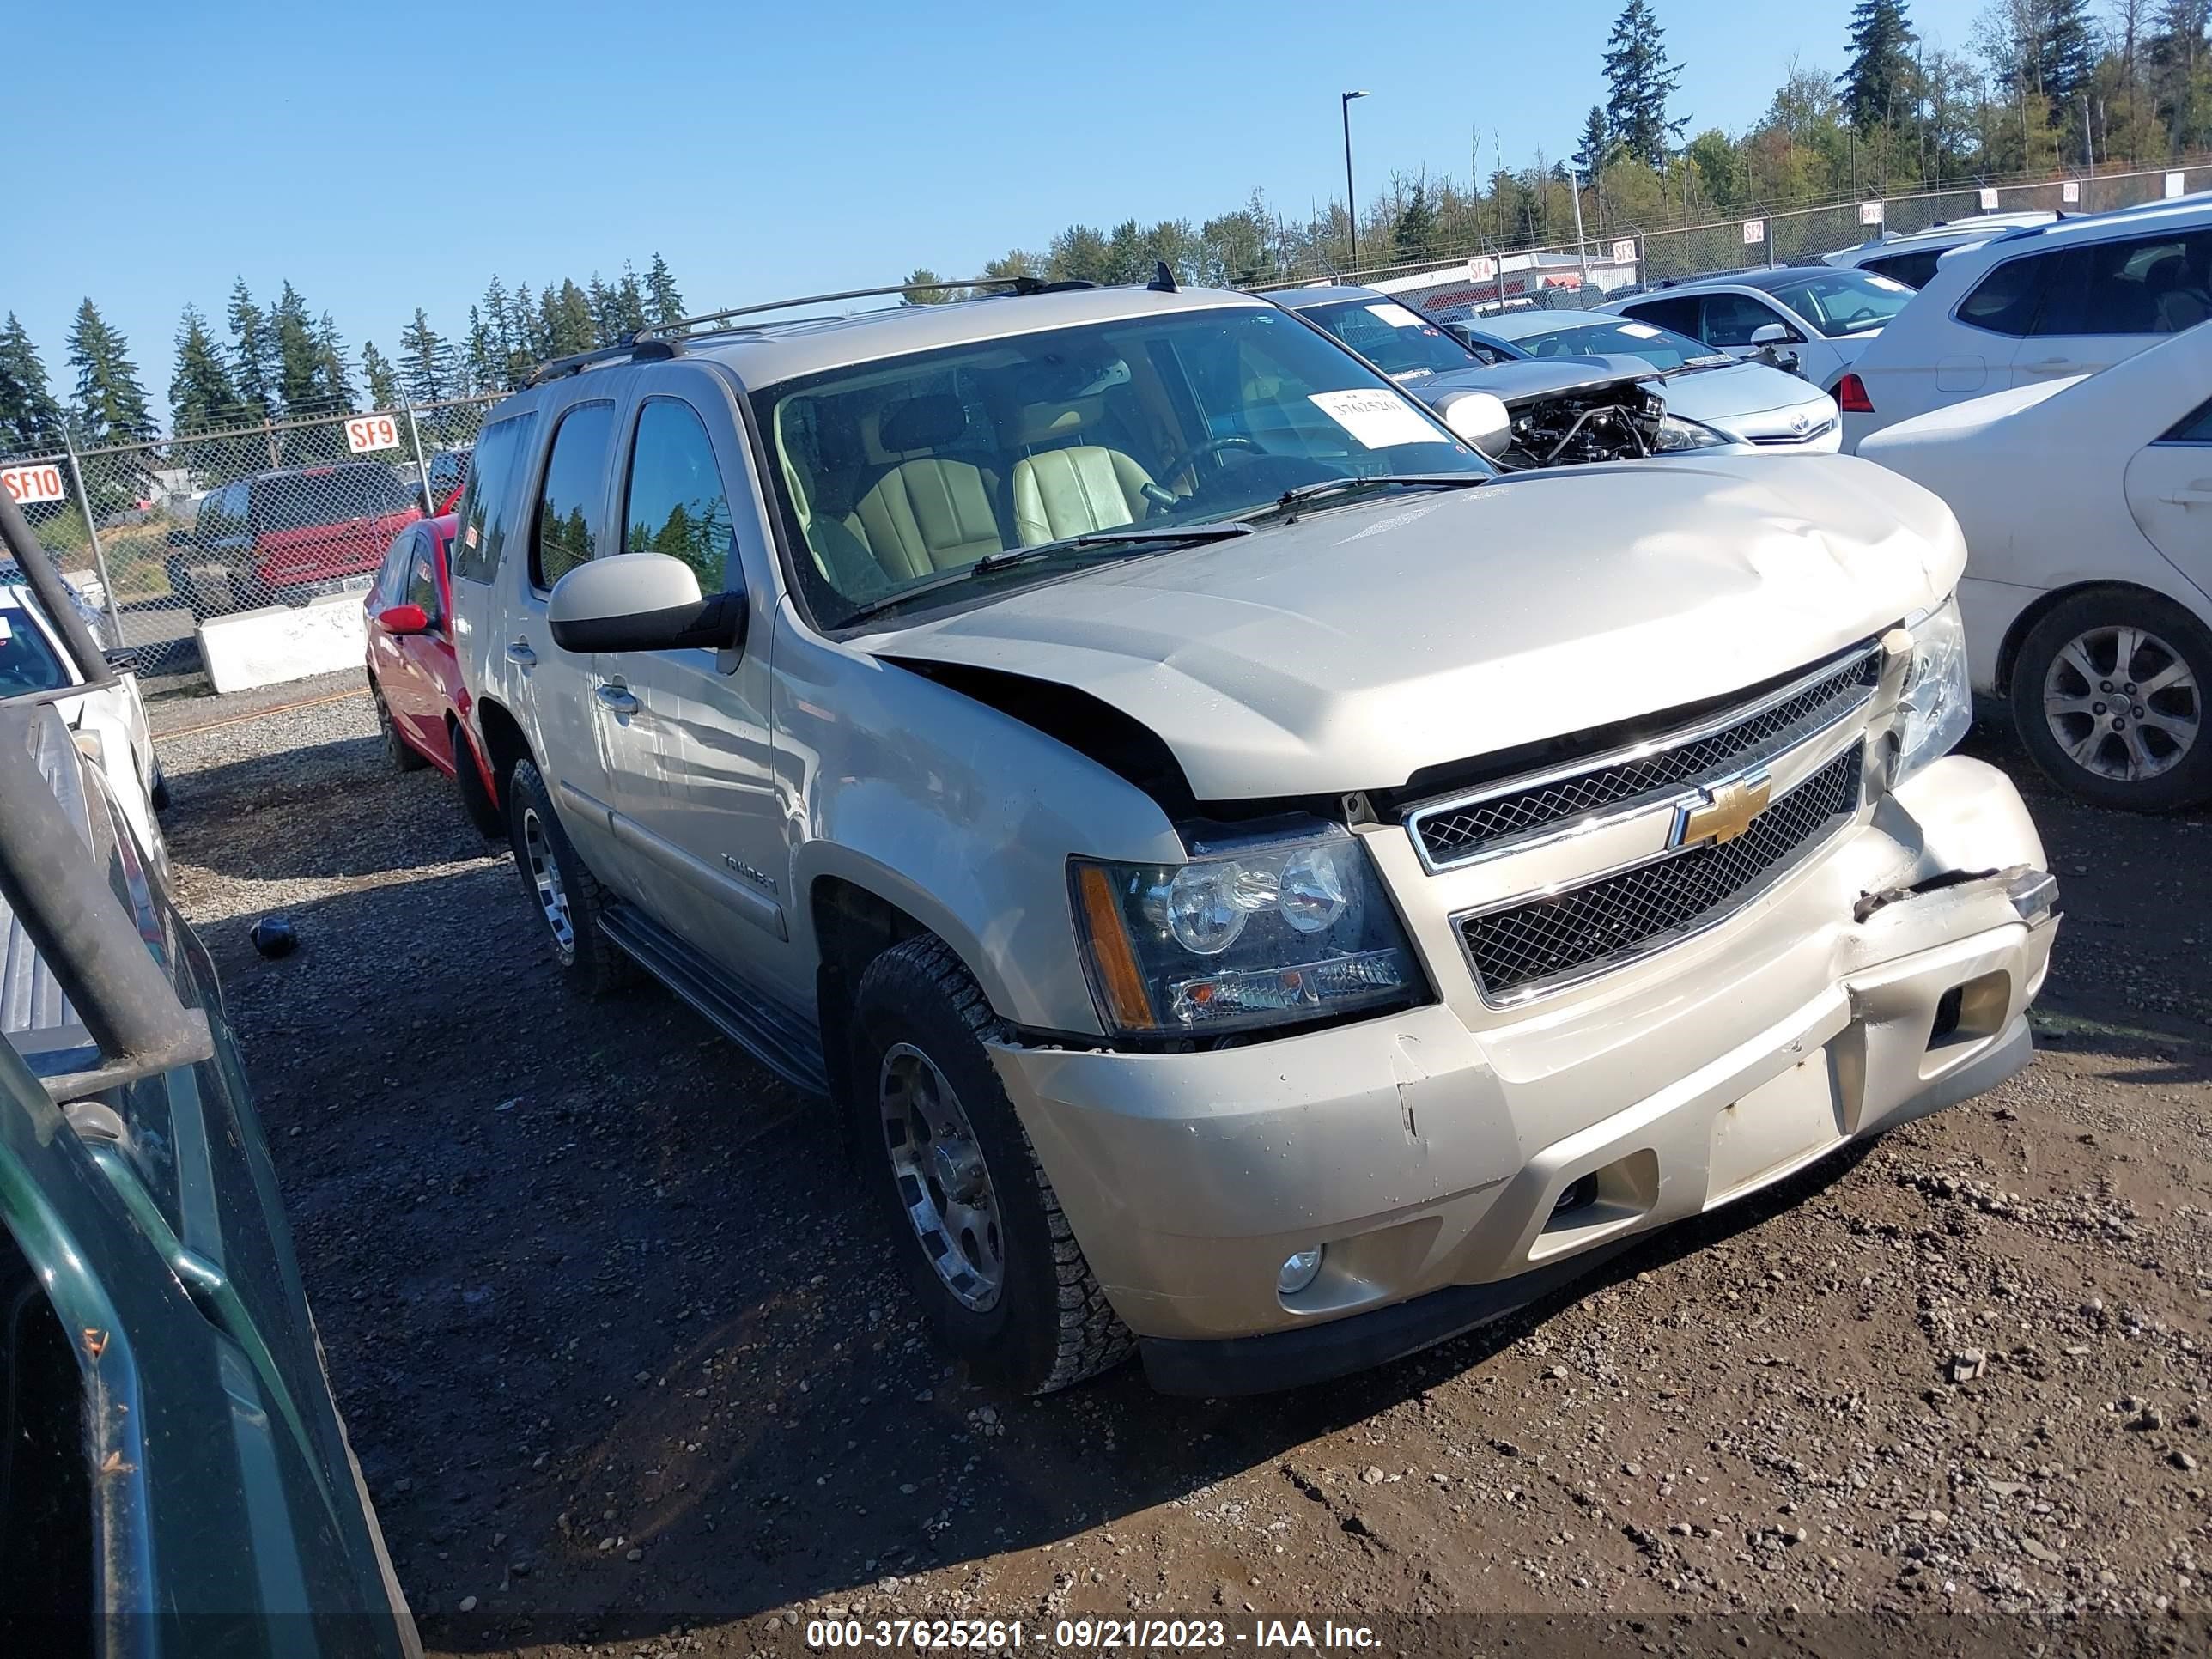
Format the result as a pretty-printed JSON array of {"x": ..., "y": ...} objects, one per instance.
[
  {"x": 40, "y": 480},
  {"x": 367, "y": 432}
]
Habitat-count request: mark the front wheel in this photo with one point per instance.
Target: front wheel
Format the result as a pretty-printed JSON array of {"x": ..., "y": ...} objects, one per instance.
[
  {"x": 979, "y": 1230},
  {"x": 2108, "y": 693}
]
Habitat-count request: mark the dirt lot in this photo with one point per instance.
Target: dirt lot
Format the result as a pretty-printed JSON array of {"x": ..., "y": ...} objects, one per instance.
[{"x": 624, "y": 1364}]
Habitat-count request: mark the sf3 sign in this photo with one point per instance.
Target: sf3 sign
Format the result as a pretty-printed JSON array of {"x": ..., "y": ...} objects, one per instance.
[
  {"x": 40, "y": 480},
  {"x": 367, "y": 432}
]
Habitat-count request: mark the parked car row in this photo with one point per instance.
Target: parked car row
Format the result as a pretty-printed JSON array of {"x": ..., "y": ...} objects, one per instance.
[{"x": 1143, "y": 762}]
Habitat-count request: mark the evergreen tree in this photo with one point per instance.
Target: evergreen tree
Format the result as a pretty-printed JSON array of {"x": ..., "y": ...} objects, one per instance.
[
  {"x": 663, "y": 304},
  {"x": 1876, "y": 87},
  {"x": 2067, "y": 62},
  {"x": 423, "y": 360},
  {"x": 251, "y": 351},
  {"x": 1417, "y": 224},
  {"x": 482, "y": 357},
  {"x": 1641, "y": 79},
  {"x": 920, "y": 290},
  {"x": 1595, "y": 148},
  {"x": 525, "y": 350},
  {"x": 599, "y": 299},
  {"x": 630, "y": 296},
  {"x": 567, "y": 326},
  {"x": 383, "y": 379},
  {"x": 201, "y": 392},
  {"x": 30, "y": 419},
  {"x": 293, "y": 333},
  {"x": 334, "y": 381},
  {"x": 110, "y": 402}
]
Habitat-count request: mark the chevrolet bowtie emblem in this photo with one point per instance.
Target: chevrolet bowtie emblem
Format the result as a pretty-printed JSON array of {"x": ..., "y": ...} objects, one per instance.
[{"x": 1727, "y": 812}]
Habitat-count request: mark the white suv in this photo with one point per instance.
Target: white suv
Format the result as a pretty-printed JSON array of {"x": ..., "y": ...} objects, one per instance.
[
  {"x": 2036, "y": 304},
  {"x": 1265, "y": 888},
  {"x": 1909, "y": 257}
]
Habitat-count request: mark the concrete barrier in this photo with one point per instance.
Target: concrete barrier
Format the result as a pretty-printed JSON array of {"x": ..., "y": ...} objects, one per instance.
[{"x": 280, "y": 642}]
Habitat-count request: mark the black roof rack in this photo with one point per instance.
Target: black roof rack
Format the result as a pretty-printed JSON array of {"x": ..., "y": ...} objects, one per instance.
[{"x": 640, "y": 348}]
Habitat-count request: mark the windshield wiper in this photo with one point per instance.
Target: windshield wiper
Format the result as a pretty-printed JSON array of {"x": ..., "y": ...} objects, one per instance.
[
  {"x": 1162, "y": 537},
  {"x": 1130, "y": 538},
  {"x": 1288, "y": 503}
]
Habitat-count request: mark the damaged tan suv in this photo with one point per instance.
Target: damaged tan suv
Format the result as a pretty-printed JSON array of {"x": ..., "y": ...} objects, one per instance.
[{"x": 1270, "y": 891}]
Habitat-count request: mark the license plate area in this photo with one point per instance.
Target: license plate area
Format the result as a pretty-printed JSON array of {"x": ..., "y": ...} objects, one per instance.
[{"x": 1780, "y": 1126}]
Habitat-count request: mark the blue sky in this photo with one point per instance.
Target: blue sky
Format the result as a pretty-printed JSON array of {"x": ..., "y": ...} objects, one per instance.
[{"x": 382, "y": 157}]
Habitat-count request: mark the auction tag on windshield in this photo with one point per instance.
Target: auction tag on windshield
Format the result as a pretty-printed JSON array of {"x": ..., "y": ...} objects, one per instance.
[
  {"x": 1397, "y": 316},
  {"x": 1640, "y": 331},
  {"x": 1377, "y": 419}
]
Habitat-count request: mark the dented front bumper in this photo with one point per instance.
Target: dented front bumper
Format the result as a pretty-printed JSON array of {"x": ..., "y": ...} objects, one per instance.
[{"x": 1455, "y": 1162}]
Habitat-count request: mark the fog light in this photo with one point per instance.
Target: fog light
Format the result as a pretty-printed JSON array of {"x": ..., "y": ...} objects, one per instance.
[{"x": 1301, "y": 1268}]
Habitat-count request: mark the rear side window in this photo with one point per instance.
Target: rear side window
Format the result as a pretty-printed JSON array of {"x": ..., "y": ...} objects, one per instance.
[
  {"x": 2194, "y": 428},
  {"x": 2006, "y": 300},
  {"x": 569, "y": 502},
  {"x": 1913, "y": 269},
  {"x": 488, "y": 504},
  {"x": 676, "y": 502},
  {"x": 1678, "y": 313},
  {"x": 2144, "y": 285}
]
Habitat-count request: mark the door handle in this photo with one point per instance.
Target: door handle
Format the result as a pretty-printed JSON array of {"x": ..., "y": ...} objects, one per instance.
[
  {"x": 2195, "y": 496},
  {"x": 520, "y": 653},
  {"x": 617, "y": 698},
  {"x": 2045, "y": 365}
]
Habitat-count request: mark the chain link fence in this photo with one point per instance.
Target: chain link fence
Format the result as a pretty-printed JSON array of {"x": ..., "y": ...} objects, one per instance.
[
  {"x": 164, "y": 535},
  {"x": 1617, "y": 253}
]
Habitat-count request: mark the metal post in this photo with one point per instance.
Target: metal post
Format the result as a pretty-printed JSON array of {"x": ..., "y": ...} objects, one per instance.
[
  {"x": 415, "y": 437},
  {"x": 92, "y": 534},
  {"x": 1351, "y": 200},
  {"x": 1582, "y": 249}
]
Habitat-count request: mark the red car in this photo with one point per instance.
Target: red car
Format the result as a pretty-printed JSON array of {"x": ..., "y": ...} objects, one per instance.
[
  {"x": 288, "y": 536},
  {"x": 421, "y": 705}
]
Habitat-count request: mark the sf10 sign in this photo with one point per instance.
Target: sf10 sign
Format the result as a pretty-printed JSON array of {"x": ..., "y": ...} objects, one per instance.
[
  {"x": 40, "y": 480},
  {"x": 367, "y": 432}
]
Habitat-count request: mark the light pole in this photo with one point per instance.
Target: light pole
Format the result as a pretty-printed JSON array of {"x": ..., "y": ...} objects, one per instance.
[{"x": 1351, "y": 201}]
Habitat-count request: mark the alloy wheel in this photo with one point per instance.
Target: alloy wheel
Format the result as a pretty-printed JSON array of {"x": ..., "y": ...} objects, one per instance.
[
  {"x": 943, "y": 1182},
  {"x": 545, "y": 878},
  {"x": 2123, "y": 703}
]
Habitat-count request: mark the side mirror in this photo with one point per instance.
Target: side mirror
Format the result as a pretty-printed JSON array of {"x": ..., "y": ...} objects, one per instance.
[
  {"x": 123, "y": 658},
  {"x": 1771, "y": 334},
  {"x": 404, "y": 619},
  {"x": 1480, "y": 417},
  {"x": 641, "y": 601}
]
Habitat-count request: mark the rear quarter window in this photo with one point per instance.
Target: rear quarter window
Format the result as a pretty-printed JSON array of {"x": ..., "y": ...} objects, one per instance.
[
  {"x": 487, "y": 509},
  {"x": 2006, "y": 299}
]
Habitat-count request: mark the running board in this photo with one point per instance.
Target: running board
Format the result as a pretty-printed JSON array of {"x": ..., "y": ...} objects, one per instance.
[{"x": 787, "y": 1045}]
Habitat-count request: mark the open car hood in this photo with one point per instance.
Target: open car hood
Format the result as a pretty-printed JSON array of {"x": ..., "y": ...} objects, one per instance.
[
  {"x": 1349, "y": 649},
  {"x": 1523, "y": 380}
]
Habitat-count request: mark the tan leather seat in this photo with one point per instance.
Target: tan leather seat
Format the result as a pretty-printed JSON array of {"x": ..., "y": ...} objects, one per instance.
[
  {"x": 925, "y": 516},
  {"x": 1069, "y": 492}
]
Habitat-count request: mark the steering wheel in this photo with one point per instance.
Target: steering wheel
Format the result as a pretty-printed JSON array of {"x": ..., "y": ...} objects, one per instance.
[{"x": 1184, "y": 463}]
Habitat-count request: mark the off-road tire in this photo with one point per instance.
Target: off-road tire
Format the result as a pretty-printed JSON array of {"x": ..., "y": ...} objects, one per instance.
[
  {"x": 2188, "y": 780},
  {"x": 1051, "y": 1326},
  {"x": 476, "y": 802},
  {"x": 591, "y": 962},
  {"x": 403, "y": 756}
]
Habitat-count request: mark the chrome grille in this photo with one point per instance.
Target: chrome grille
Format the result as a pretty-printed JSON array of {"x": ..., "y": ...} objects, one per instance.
[
  {"x": 1452, "y": 832},
  {"x": 1533, "y": 946},
  {"x": 1806, "y": 436}
]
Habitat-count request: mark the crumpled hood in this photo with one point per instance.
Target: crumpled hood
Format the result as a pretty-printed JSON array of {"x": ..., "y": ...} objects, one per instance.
[{"x": 1348, "y": 650}]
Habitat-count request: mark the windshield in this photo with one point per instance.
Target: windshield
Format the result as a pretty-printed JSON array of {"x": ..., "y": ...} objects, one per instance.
[
  {"x": 1396, "y": 339},
  {"x": 28, "y": 663},
  {"x": 1843, "y": 301},
  {"x": 892, "y": 473},
  {"x": 1662, "y": 348}
]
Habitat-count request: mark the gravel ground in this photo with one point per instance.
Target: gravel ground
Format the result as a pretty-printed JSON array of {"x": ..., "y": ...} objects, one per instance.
[{"x": 624, "y": 1364}]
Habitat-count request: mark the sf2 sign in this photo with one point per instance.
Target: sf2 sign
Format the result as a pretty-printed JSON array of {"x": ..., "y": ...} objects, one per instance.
[
  {"x": 367, "y": 432},
  {"x": 40, "y": 480}
]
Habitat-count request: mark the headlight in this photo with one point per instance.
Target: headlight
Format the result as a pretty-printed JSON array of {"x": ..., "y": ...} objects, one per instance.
[
  {"x": 1937, "y": 704},
  {"x": 1677, "y": 433},
  {"x": 1261, "y": 931}
]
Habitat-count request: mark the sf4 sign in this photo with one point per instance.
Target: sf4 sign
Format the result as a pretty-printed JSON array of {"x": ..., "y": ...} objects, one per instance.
[
  {"x": 367, "y": 432},
  {"x": 38, "y": 481}
]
